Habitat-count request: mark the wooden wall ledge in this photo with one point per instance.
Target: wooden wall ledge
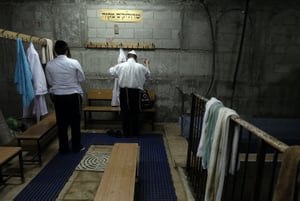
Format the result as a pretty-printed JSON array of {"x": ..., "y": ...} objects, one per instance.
[{"x": 111, "y": 45}]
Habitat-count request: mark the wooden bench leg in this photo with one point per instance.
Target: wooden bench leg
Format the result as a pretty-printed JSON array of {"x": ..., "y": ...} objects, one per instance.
[
  {"x": 21, "y": 169},
  {"x": 85, "y": 120},
  {"x": 19, "y": 142},
  {"x": 21, "y": 166},
  {"x": 152, "y": 121},
  {"x": 1, "y": 176},
  {"x": 39, "y": 153}
]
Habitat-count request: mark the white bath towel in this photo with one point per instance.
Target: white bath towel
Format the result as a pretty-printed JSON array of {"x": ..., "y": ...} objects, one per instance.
[
  {"x": 220, "y": 155},
  {"x": 115, "y": 101},
  {"x": 200, "y": 150},
  {"x": 47, "y": 52}
]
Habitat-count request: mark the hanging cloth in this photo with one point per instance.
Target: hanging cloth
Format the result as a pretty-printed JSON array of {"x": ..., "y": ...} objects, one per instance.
[
  {"x": 122, "y": 56},
  {"x": 220, "y": 155},
  {"x": 115, "y": 101},
  {"x": 39, "y": 82},
  {"x": 212, "y": 108},
  {"x": 47, "y": 51},
  {"x": 23, "y": 76},
  {"x": 208, "y": 106}
]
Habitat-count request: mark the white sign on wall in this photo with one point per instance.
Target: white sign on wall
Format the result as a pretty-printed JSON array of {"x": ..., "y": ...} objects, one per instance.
[{"x": 114, "y": 15}]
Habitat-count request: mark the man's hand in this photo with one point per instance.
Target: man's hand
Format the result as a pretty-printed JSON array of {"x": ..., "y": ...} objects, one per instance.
[{"x": 147, "y": 63}]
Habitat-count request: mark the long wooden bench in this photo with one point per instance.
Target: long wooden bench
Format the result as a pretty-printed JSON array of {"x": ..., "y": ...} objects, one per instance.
[
  {"x": 8, "y": 153},
  {"x": 118, "y": 180},
  {"x": 105, "y": 95},
  {"x": 36, "y": 134}
]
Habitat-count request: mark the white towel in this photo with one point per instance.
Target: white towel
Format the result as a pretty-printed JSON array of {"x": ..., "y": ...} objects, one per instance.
[
  {"x": 47, "y": 51},
  {"x": 220, "y": 155},
  {"x": 115, "y": 101},
  {"x": 122, "y": 56},
  {"x": 203, "y": 136}
]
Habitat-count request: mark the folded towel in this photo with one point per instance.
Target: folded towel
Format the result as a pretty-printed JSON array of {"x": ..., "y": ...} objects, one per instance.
[{"x": 288, "y": 182}]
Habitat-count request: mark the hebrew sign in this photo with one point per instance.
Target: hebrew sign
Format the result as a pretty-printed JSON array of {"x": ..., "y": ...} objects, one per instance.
[{"x": 113, "y": 15}]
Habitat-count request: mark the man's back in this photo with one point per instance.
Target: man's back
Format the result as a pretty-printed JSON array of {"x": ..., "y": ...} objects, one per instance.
[{"x": 131, "y": 74}]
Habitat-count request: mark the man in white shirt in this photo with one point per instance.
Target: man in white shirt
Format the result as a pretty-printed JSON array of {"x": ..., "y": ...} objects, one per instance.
[
  {"x": 65, "y": 75},
  {"x": 132, "y": 76}
]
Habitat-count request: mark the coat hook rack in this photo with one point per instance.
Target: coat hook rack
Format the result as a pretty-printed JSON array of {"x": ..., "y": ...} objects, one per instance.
[
  {"x": 27, "y": 38},
  {"x": 112, "y": 45}
]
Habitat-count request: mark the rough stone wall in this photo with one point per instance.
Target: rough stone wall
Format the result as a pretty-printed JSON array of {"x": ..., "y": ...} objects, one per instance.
[
  {"x": 267, "y": 78},
  {"x": 268, "y": 74}
]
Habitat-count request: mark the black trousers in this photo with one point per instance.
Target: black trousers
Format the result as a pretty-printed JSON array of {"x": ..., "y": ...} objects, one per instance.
[
  {"x": 130, "y": 111},
  {"x": 68, "y": 113}
]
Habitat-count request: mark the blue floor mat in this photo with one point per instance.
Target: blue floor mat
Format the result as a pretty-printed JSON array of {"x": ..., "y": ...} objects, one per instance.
[{"x": 155, "y": 181}]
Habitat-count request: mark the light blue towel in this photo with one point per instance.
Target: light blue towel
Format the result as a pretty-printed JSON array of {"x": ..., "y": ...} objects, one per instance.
[{"x": 23, "y": 76}]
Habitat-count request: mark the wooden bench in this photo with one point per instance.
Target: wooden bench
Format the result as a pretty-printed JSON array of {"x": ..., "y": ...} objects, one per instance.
[
  {"x": 36, "y": 134},
  {"x": 105, "y": 95},
  {"x": 7, "y": 153},
  {"x": 118, "y": 180}
]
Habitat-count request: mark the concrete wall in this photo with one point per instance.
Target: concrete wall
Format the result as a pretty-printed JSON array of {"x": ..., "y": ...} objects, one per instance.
[{"x": 268, "y": 75}]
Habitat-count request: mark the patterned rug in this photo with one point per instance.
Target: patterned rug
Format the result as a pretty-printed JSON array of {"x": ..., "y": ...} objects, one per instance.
[{"x": 94, "y": 161}]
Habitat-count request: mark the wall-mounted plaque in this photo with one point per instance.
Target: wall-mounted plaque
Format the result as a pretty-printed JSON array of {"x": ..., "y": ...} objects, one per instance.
[{"x": 114, "y": 15}]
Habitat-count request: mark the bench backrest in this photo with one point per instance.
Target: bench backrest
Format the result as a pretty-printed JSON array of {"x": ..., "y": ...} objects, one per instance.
[
  {"x": 106, "y": 94},
  {"x": 99, "y": 94}
]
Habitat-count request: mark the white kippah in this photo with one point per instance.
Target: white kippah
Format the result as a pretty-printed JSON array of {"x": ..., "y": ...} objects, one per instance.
[{"x": 132, "y": 52}]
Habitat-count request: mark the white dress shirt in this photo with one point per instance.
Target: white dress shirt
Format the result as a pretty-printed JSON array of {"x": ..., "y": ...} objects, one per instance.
[
  {"x": 131, "y": 74},
  {"x": 64, "y": 75}
]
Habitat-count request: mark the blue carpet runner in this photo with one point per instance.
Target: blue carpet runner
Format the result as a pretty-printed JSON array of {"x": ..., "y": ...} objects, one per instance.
[{"x": 155, "y": 181}]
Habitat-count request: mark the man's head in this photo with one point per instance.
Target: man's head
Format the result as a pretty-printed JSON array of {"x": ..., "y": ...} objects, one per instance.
[
  {"x": 132, "y": 54},
  {"x": 61, "y": 47}
]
